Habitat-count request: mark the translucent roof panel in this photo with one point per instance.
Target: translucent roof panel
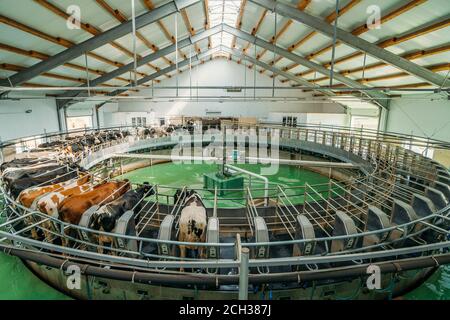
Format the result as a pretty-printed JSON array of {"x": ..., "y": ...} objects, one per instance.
[{"x": 223, "y": 11}]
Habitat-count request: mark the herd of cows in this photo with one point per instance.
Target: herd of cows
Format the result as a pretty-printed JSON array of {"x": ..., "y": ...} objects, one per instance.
[
  {"x": 65, "y": 191},
  {"x": 72, "y": 147}
]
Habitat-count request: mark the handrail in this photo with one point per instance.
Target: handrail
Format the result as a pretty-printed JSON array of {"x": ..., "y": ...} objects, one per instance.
[{"x": 377, "y": 148}]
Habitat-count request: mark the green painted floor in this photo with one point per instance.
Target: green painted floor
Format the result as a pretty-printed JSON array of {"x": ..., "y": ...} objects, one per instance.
[
  {"x": 176, "y": 176},
  {"x": 17, "y": 282}
]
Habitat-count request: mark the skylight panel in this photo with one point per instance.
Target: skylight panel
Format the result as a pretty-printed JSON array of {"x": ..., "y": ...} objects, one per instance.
[{"x": 223, "y": 11}]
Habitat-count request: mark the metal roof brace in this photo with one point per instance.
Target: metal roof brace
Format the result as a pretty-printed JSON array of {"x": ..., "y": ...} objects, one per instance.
[
  {"x": 274, "y": 53},
  {"x": 181, "y": 4},
  {"x": 333, "y": 53},
  {"x": 133, "y": 18},
  {"x": 88, "y": 82}
]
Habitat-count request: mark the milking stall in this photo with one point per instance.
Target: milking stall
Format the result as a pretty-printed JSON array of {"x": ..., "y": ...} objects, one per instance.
[{"x": 225, "y": 150}]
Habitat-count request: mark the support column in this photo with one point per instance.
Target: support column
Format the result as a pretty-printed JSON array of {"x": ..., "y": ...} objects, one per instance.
[{"x": 383, "y": 119}]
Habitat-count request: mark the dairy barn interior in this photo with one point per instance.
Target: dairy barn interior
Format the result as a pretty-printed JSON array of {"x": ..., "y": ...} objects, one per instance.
[{"x": 224, "y": 149}]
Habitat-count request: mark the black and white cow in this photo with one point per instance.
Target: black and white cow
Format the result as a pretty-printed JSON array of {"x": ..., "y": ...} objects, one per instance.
[
  {"x": 192, "y": 223},
  {"x": 107, "y": 215}
]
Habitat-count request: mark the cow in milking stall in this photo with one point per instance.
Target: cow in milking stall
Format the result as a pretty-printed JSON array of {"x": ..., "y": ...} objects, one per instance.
[
  {"x": 28, "y": 196},
  {"x": 71, "y": 209},
  {"x": 23, "y": 162},
  {"x": 50, "y": 202},
  {"x": 26, "y": 178},
  {"x": 192, "y": 223},
  {"x": 106, "y": 217}
]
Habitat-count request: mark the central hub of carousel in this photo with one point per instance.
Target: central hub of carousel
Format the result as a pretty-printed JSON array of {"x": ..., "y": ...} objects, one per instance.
[{"x": 141, "y": 222}]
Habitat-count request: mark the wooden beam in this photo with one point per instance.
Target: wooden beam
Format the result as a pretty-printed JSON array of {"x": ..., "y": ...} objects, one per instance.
[
  {"x": 189, "y": 28},
  {"x": 364, "y": 28},
  {"x": 239, "y": 22},
  {"x": 150, "y": 6},
  {"x": 330, "y": 19},
  {"x": 122, "y": 18},
  {"x": 390, "y": 42},
  {"x": 255, "y": 30},
  {"x": 58, "y": 40},
  {"x": 434, "y": 68},
  {"x": 43, "y": 56},
  {"x": 17, "y": 68},
  {"x": 207, "y": 23},
  {"x": 301, "y": 5},
  {"x": 410, "y": 56},
  {"x": 88, "y": 28}
]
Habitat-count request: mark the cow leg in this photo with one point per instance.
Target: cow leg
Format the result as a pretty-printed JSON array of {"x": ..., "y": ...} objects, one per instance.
[
  {"x": 64, "y": 240},
  {"x": 47, "y": 233},
  {"x": 201, "y": 252},
  {"x": 200, "y": 255},
  {"x": 34, "y": 233},
  {"x": 100, "y": 243},
  {"x": 182, "y": 255}
]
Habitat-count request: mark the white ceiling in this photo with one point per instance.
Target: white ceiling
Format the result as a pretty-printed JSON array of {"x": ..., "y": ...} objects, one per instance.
[{"x": 36, "y": 16}]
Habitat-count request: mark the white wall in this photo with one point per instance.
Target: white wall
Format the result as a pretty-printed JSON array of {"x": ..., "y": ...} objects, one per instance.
[
  {"x": 15, "y": 122},
  {"x": 218, "y": 72},
  {"x": 429, "y": 118}
]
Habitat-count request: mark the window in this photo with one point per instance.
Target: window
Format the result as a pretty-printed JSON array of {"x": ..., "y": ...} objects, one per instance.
[
  {"x": 289, "y": 121},
  {"x": 364, "y": 122},
  {"x": 139, "y": 121},
  {"x": 79, "y": 122}
]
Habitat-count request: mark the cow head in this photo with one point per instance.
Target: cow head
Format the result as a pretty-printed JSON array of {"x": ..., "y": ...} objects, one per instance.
[
  {"x": 102, "y": 221},
  {"x": 145, "y": 189}
]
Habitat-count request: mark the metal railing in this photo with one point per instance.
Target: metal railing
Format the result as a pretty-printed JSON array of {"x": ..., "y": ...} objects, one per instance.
[{"x": 380, "y": 186}]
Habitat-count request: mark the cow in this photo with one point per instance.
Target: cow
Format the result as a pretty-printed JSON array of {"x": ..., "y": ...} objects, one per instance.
[
  {"x": 143, "y": 132},
  {"x": 71, "y": 209},
  {"x": 16, "y": 172},
  {"x": 192, "y": 223},
  {"x": 30, "y": 178},
  {"x": 106, "y": 217},
  {"x": 27, "y": 196},
  {"x": 23, "y": 162},
  {"x": 50, "y": 202}
]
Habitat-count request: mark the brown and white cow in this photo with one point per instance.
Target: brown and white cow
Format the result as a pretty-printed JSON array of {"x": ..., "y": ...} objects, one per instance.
[
  {"x": 71, "y": 209},
  {"x": 50, "y": 202},
  {"x": 192, "y": 224},
  {"x": 28, "y": 196}
]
